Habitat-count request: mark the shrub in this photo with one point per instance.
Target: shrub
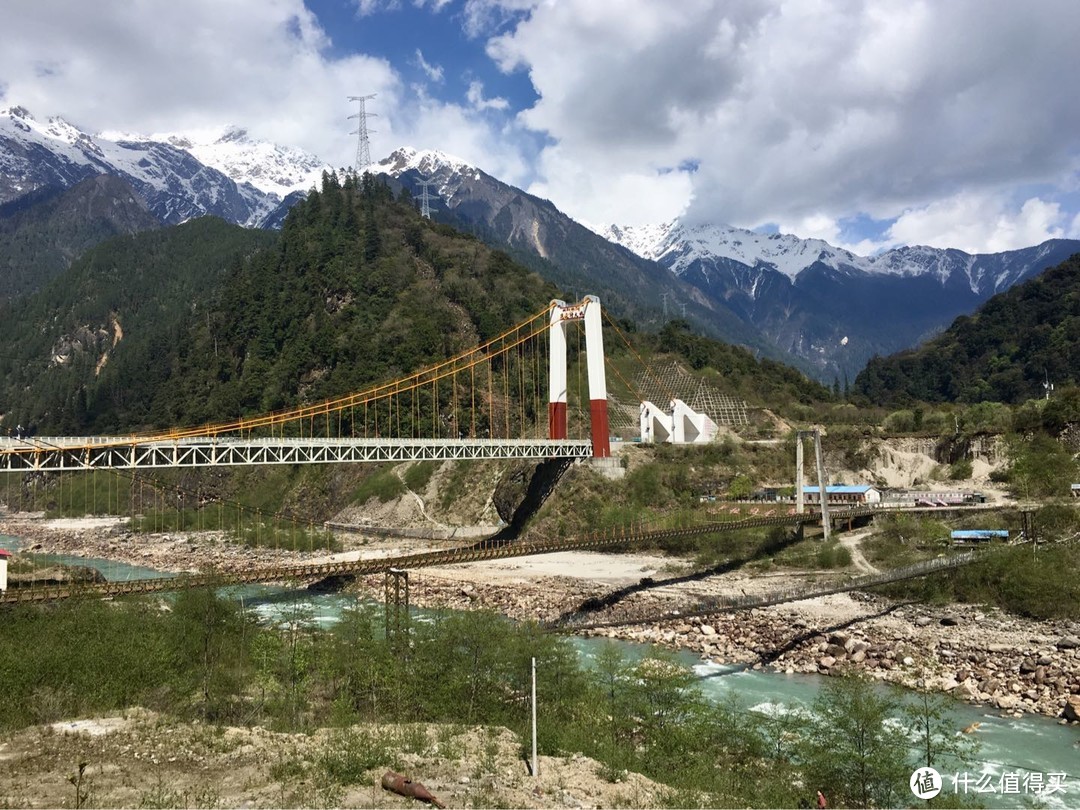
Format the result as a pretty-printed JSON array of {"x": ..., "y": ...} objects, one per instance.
[
  {"x": 383, "y": 485},
  {"x": 961, "y": 470},
  {"x": 833, "y": 555}
]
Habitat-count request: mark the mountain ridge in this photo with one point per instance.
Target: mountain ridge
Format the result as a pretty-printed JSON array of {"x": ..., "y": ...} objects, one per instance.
[{"x": 176, "y": 185}]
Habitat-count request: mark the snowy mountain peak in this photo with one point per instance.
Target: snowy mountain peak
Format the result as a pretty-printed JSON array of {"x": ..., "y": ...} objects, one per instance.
[
  {"x": 273, "y": 169},
  {"x": 176, "y": 175},
  {"x": 678, "y": 246},
  {"x": 424, "y": 161}
]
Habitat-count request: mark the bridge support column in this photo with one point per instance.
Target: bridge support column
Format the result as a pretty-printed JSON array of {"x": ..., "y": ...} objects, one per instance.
[
  {"x": 589, "y": 312},
  {"x": 557, "y": 373},
  {"x": 396, "y": 597}
]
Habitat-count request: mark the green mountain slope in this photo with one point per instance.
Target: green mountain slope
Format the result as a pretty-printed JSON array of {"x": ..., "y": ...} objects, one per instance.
[
  {"x": 40, "y": 241},
  {"x": 95, "y": 345},
  {"x": 1005, "y": 352}
]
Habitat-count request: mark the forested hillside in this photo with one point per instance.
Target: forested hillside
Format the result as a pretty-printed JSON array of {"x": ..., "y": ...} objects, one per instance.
[
  {"x": 98, "y": 345},
  {"x": 206, "y": 321},
  {"x": 42, "y": 234},
  {"x": 1005, "y": 352}
]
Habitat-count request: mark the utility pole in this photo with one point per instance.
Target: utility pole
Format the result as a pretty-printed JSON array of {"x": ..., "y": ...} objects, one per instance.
[
  {"x": 535, "y": 765},
  {"x": 425, "y": 198},
  {"x": 822, "y": 476},
  {"x": 363, "y": 142}
]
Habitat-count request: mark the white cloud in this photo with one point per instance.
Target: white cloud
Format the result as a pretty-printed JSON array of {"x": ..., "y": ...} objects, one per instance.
[
  {"x": 979, "y": 224},
  {"x": 434, "y": 72},
  {"x": 804, "y": 114},
  {"x": 366, "y": 7},
  {"x": 1073, "y": 231},
  {"x": 621, "y": 198},
  {"x": 487, "y": 17},
  {"x": 475, "y": 97}
]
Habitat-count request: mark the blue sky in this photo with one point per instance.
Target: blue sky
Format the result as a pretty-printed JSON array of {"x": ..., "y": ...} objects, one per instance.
[
  {"x": 410, "y": 37},
  {"x": 868, "y": 123}
]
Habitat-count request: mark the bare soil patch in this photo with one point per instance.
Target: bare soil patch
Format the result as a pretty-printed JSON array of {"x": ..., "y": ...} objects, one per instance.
[{"x": 142, "y": 759}]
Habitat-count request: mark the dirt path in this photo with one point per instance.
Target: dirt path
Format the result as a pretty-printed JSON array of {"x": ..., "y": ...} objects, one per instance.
[{"x": 851, "y": 541}]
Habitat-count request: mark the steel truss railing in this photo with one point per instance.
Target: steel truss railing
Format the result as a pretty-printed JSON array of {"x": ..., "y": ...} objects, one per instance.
[{"x": 78, "y": 453}]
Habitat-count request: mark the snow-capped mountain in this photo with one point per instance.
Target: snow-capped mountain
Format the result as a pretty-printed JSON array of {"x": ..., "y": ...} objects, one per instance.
[
  {"x": 175, "y": 184},
  {"x": 680, "y": 248},
  {"x": 830, "y": 306},
  {"x": 821, "y": 306},
  {"x": 269, "y": 167}
]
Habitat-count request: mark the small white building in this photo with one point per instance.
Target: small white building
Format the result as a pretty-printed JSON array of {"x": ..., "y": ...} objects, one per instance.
[
  {"x": 4, "y": 555},
  {"x": 679, "y": 424},
  {"x": 841, "y": 494}
]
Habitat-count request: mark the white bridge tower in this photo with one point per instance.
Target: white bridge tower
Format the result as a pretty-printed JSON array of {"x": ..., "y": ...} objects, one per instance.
[{"x": 588, "y": 310}]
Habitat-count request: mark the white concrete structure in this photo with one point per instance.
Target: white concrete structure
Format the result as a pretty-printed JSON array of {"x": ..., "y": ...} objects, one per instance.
[
  {"x": 679, "y": 424},
  {"x": 4, "y": 554},
  {"x": 588, "y": 311}
]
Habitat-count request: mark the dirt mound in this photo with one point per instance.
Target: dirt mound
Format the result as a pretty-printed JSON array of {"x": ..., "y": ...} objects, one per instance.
[{"x": 145, "y": 760}]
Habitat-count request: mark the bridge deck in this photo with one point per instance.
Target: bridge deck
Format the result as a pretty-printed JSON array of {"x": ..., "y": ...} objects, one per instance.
[{"x": 117, "y": 452}]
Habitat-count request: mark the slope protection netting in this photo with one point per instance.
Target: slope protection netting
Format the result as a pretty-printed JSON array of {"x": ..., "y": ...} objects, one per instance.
[{"x": 665, "y": 381}]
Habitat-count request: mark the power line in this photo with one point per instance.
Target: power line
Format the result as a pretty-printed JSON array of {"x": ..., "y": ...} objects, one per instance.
[{"x": 363, "y": 142}]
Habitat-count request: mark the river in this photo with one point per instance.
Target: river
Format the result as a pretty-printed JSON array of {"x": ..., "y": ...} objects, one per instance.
[{"x": 1020, "y": 750}]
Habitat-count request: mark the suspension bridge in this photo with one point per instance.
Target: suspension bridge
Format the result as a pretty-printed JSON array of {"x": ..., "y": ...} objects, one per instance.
[{"x": 483, "y": 403}]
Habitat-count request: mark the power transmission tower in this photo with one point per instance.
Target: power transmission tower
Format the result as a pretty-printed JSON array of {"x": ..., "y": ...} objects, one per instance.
[
  {"x": 425, "y": 198},
  {"x": 363, "y": 142},
  {"x": 664, "y": 296}
]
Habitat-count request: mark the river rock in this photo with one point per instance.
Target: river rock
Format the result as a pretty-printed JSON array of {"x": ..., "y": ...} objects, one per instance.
[
  {"x": 708, "y": 630},
  {"x": 967, "y": 691},
  {"x": 826, "y": 662},
  {"x": 1006, "y": 702},
  {"x": 1067, "y": 643},
  {"x": 923, "y": 621},
  {"x": 1071, "y": 711}
]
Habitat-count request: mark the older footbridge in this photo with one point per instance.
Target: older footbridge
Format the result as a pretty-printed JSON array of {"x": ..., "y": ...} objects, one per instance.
[{"x": 626, "y": 537}]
